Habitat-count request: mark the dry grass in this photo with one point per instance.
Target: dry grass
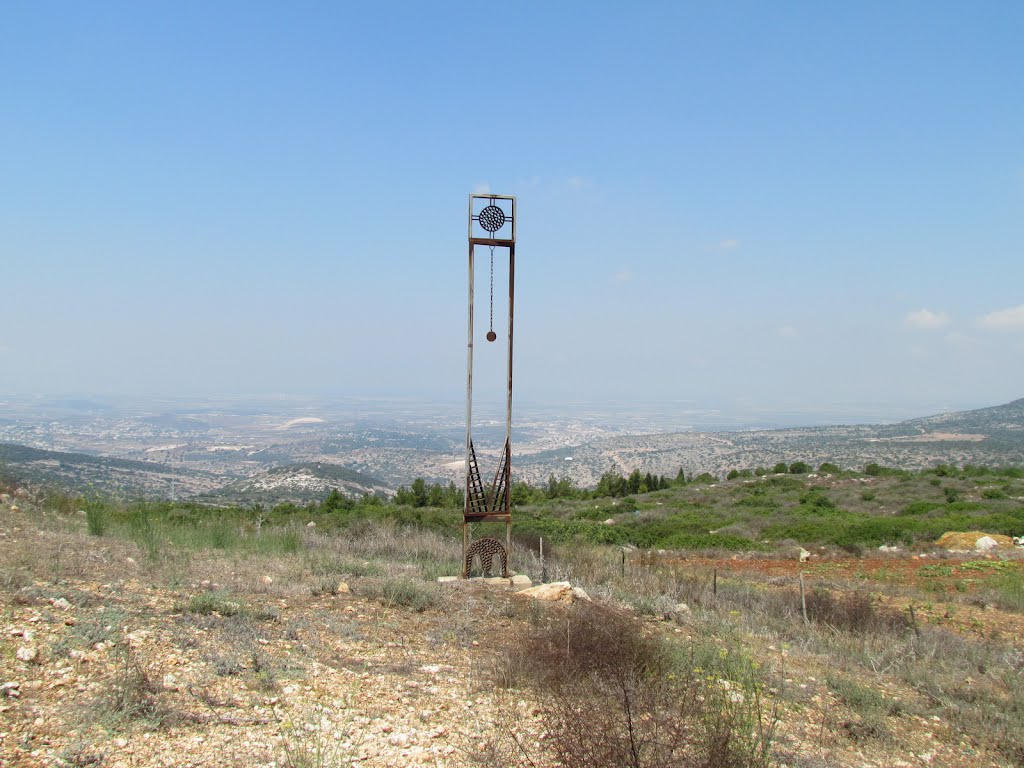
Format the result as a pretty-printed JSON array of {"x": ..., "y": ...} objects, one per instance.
[
  {"x": 860, "y": 678},
  {"x": 613, "y": 693}
]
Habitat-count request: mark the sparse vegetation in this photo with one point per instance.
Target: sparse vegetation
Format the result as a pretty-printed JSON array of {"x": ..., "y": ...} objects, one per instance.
[
  {"x": 613, "y": 694},
  {"x": 255, "y": 597},
  {"x": 404, "y": 592},
  {"x": 95, "y": 516},
  {"x": 213, "y": 602}
]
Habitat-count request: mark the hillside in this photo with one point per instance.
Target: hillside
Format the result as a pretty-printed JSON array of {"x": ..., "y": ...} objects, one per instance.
[
  {"x": 1001, "y": 424},
  {"x": 300, "y": 483},
  {"x": 108, "y": 474},
  {"x": 989, "y": 436},
  {"x": 205, "y": 641}
]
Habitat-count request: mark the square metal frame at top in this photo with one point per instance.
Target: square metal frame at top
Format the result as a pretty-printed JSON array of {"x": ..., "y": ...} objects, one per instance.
[{"x": 480, "y": 236}]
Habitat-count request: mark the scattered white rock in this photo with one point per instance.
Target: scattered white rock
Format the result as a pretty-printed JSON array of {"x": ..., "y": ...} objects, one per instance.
[
  {"x": 27, "y": 653},
  {"x": 559, "y": 591},
  {"x": 889, "y": 548},
  {"x": 609, "y": 521},
  {"x": 11, "y": 690},
  {"x": 311, "y": 524},
  {"x": 985, "y": 543}
]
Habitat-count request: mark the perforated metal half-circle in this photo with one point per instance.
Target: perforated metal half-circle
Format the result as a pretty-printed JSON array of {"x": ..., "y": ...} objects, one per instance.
[{"x": 492, "y": 218}]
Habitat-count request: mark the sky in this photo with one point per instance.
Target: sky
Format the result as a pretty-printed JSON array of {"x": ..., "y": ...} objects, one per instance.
[{"x": 734, "y": 204}]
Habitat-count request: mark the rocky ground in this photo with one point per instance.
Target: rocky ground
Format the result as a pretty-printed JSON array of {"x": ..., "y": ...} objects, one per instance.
[{"x": 110, "y": 658}]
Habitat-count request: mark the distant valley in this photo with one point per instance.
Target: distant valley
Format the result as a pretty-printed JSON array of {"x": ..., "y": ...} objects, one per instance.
[{"x": 241, "y": 452}]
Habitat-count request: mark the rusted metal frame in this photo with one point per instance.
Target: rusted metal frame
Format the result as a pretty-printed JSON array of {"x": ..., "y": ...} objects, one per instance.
[
  {"x": 487, "y": 517},
  {"x": 491, "y": 241},
  {"x": 492, "y": 513}
]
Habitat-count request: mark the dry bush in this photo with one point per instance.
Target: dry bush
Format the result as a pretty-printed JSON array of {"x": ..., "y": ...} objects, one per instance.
[
  {"x": 854, "y": 612},
  {"x": 132, "y": 694},
  {"x": 612, "y": 694}
]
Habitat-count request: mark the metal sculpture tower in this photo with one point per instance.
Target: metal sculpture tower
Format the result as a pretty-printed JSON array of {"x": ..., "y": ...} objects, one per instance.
[{"x": 492, "y": 223}]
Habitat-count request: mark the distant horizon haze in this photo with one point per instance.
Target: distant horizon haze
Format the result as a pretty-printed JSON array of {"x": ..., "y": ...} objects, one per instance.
[{"x": 740, "y": 414}]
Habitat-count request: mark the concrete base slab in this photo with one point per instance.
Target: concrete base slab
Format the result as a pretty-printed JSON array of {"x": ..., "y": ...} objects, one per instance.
[{"x": 515, "y": 581}]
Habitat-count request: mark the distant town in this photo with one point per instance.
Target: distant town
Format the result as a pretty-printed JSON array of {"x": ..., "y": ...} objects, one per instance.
[{"x": 293, "y": 448}]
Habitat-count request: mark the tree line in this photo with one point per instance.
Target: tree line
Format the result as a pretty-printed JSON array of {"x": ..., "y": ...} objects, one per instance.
[{"x": 612, "y": 484}]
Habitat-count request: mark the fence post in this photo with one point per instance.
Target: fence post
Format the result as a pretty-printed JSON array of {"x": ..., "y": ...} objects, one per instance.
[
  {"x": 803, "y": 599},
  {"x": 543, "y": 565}
]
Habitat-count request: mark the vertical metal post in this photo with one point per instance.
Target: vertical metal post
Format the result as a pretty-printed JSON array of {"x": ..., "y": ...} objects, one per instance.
[
  {"x": 508, "y": 405},
  {"x": 469, "y": 378}
]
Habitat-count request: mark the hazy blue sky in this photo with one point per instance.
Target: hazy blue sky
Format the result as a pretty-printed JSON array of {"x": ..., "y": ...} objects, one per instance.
[{"x": 769, "y": 203}]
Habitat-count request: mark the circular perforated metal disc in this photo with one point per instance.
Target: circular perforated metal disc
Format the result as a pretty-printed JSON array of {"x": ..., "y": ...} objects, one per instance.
[{"x": 492, "y": 218}]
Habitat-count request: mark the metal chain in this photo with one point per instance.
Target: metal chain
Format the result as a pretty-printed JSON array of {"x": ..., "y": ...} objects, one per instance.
[{"x": 492, "y": 289}]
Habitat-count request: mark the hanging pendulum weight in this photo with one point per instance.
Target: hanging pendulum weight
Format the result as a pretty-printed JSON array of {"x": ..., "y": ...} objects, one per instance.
[{"x": 491, "y": 335}]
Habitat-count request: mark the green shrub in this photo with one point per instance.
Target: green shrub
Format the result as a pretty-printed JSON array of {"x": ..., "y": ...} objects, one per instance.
[
  {"x": 920, "y": 507},
  {"x": 785, "y": 483},
  {"x": 218, "y": 602},
  {"x": 817, "y": 500},
  {"x": 994, "y": 493},
  {"x": 401, "y": 591},
  {"x": 876, "y": 531},
  {"x": 95, "y": 516}
]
